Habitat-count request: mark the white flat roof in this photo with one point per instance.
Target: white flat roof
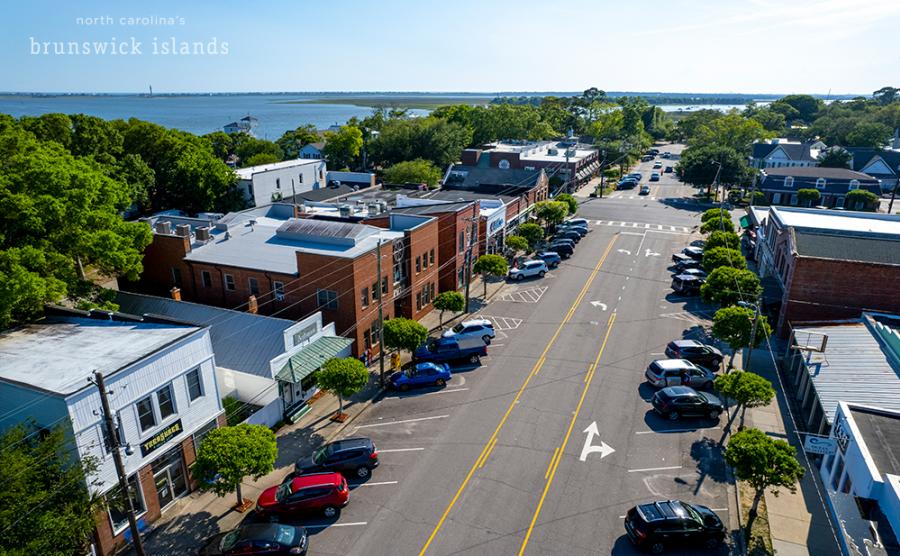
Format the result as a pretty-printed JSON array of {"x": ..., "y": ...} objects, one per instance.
[
  {"x": 846, "y": 221},
  {"x": 247, "y": 173}
]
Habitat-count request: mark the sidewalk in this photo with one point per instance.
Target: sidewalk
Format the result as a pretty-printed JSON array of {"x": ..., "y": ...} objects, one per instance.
[
  {"x": 192, "y": 519},
  {"x": 798, "y": 522}
]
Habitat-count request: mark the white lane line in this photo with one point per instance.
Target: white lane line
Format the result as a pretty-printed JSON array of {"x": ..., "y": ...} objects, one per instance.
[
  {"x": 449, "y": 391},
  {"x": 666, "y": 431},
  {"x": 324, "y": 525},
  {"x": 401, "y": 422},
  {"x": 646, "y": 226},
  {"x": 373, "y": 484},
  {"x": 672, "y": 228},
  {"x": 393, "y": 450},
  {"x": 719, "y": 509},
  {"x": 497, "y": 345},
  {"x": 598, "y": 222},
  {"x": 655, "y": 469},
  {"x": 659, "y": 226}
]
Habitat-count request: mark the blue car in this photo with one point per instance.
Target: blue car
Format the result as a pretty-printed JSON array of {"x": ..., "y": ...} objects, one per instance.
[
  {"x": 552, "y": 259},
  {"x": 422, "y": 374}
]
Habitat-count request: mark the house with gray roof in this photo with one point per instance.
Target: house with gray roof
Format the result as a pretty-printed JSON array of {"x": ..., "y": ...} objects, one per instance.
[
  {"x": 780, "y": 185},
  {"x": 881, "y": 164},
  {"x": 780, "y": 153}
]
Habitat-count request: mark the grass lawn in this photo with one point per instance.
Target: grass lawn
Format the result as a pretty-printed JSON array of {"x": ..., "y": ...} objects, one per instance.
[{"x": 759, "y": 540}]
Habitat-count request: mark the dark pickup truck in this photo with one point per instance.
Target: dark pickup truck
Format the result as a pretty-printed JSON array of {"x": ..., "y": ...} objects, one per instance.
[{"x": 445, "y": 350}]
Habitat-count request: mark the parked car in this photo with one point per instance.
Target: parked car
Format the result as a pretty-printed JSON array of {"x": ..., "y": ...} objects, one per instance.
[
  {"x": 636, "y": 176},
  {"x": 678, "y": 372},
  {"x": 645, "y": 189},
  {"x": 668, "y": 170},
  {"x": 694, "y": 272},
  {"x": 324, "y": 493},
  {"x": 528, "y": 269},
  {"x": 577, "y": 222},
  {"x": 564, "y": 250},
  {"x": 683, "y": 265},
  {"x": 654, "y": 176},
  {"x": 647, "y": 158},
  {"x": 680, "y": 257},
  {"x": 351, "y": 456},
  {"x": 578, "y": 229},
  {"x": 558, "y": 240},
  {"x": 659, "y": 526},
  {"x": 687, "y": 284},
  {"x": 420, "y": 374},
  {"x": 258, "y": 538},
  {"x": 657, "y": 165},
  {"x": 667, "y": 155},
  {"x": 627, "y": 183},
  {"x": 551, "y": 258},
  {"x": 675, "y": 402},
  {"x": 654, "y": 152},
  {"x": 693, "y": 252},
  {"x": 472, "y": 328},
  {"x": 695, "y": 352},
  {"x": 448, "y": 350},
  {"x": 568, "y": 234}
]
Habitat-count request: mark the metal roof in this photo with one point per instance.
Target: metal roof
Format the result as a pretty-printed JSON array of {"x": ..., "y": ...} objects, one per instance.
[
  {"x": 844, "y": 247},
  {"x": 241, "y": 341},
  {"x": 856, "y": 367},
  {"x": 310, "y": 358}
]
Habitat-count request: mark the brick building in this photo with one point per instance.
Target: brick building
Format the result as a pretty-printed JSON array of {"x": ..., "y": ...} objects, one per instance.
[
  {"x": 574, "y": 163},
  {"x": 828, "y": 265},
  {"x": 165, "y": 400},
  {"x": 270, "y": 261}
]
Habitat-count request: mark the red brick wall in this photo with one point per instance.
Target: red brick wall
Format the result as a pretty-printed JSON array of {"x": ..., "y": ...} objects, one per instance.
[
  {"x": 470, "y": 156},
  {"x": 216, "y": 294},
  {"x": 423, "y": 245},
  {"x": 163, "y": 254},
  {"x": 513, "y": 158},
  {"x": 822, "y": 289},
  {"x": 103, "y": 532}
]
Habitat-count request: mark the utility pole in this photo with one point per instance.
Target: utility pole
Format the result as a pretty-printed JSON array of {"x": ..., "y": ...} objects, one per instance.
[
  {"x": 894, "y": 191},
  {"x": 294, "y": 195},
  {"x": 380, "y": 291},
  {"x": 602, "y": 173},
  {"x": 113, "y": 439},
  {"x": 472, "y": 234},
  {"x": 749, "y": 360}
]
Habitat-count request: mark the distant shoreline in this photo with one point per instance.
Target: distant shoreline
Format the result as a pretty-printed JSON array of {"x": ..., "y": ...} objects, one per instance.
[{"x": 396, "y": 102}]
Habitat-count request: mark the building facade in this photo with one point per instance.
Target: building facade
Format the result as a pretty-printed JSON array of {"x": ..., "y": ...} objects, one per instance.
[
  {"x": 781, "y": 153},
  {"x": 571, "y": 162},
  {"x": 781, "y": 185},
  {"x": 165, "y": 399},
  {"x": 270, "y": 183}
]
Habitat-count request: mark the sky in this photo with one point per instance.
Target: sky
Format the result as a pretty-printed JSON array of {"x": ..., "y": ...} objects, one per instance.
[{"x": 704, "y": 46}]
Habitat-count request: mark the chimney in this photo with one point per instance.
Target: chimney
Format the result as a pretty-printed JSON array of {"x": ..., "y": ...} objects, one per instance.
[
  {"x": 183, "y": 230},
  {"x": 164, "y": 228},
  {"x": 202, "y": 233},
  {"x": 175, "y": 292},
  {"x": 344, "y": 211},
  {"x": 252, "y": 305}
]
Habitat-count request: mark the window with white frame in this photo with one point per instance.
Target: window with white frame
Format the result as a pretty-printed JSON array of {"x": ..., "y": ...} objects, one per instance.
[
  {"x": 146, "y": 417},
  {"x": 278, "y": 287},
  {"x": 820, "y": 183},
  {"x": 789, "y": 181},
  {"x": 166, "y": 402},
  {"x": 194, "y": 384},
  {"x": 854, "y": 184},
  {"x": 117, "y": 505},
  {"x": 229, "y": 282}
]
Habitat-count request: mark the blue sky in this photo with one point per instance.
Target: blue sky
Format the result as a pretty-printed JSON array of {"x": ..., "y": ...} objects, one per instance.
[{"x": 753, "y": 46}]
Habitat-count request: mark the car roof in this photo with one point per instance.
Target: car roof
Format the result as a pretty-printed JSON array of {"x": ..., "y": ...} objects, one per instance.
[
  {"x": 314, "y": 480},
  {"x": 351, "y": 443},
  {"x": 261, "y": 531},
  {"x": 666, "y": 364},
  {"x": 548, "y": 254},
  {"x": 663, "y": 510},
  {"x": 688, "y": 277},
  {"x": 475, "y": 322},
  {"x": 678, "y": 391},
  {"x": 687, "y": 343},
  {"x": 534, "y": 263}
]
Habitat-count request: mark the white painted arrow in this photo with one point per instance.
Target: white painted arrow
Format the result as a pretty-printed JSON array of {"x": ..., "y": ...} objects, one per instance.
[
  {"x": 650, "y": 253},
  {"x": 626, "y": 251},
  {"x": 598, "y": 304},
  {"x": 604, "y": 448}
]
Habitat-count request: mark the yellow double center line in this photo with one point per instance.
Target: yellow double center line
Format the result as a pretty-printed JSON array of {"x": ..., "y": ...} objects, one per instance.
[
  {"x": 558, "y": 453},
  {"x": 489, "y": 445}
]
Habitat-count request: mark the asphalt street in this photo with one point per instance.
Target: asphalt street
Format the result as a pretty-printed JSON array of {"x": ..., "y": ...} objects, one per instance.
[{"x": 545, "y": 446}]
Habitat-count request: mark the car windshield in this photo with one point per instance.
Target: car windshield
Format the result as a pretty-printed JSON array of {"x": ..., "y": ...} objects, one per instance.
[
  {"x": 228, "y": 541},
  {"x": 320, "y": 454},
  {"x": 283, "y": 491},
  {"x": 285, "y": 534},
  {"x": 458, "y": 328},
  {"x": 694, "y": 515}
]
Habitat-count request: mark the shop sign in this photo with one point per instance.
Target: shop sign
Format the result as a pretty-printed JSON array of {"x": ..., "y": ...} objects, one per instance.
[
  {"x": 841, "y": 433},
  {"x": 823, "y": 445},
  {"x": 161, "y": 438},
  {"x": 496, "y": 224}
]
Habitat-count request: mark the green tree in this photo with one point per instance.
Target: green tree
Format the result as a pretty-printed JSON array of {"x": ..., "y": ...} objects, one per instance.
[
  {"x": 49, "y": 127},
  {"x": 772, "y": 120},
  {"x": 763, "y": 462},
  {"x": 221, "y": 144},
  {"x": 413, "y": 171},
  {"x": 714, "y": 213},
  {"x": 551, "y": 212},
  {"x": 342, "y": 147},
  {"x": 731, "y": 131},
  {"x": 886, "y": 95},
  {"x": 835, "y": 157},
  {"x": 808, "y": 197},
  {"x": 229, "y": 454},
  {"x": 532, "y": 233},
  {"x": 869, "y": 134},
  {"x": 861, "y": 199},
  {"x": 490, "y": 265},
  {"x": 138, "y": 178},
  {"x": 93, "y": 136},
  {"x": 517, "y": 243},
  {"x": 343, "y": 377},
  {"x": 259, "y": 159},
  {"x": 438, "y": 140},
  {"x": 722, "y": 256},
  {"x": 726, "y": 286},
  {"x": 249, "y": 148},
  {"x": 746, "y": 389},
  {"x": 404, "y": 334},
  {"x": 295, "y": 139},
  {"x": 449, "y": 301},
  {"x": 569, "y": 200},
  {"x": 734, "y": 326},
  {"x": 687, "y": 127},
  {"x": 805, "y": 106},
  {"x": 700, "y": 166},
  {"x": 717, "y": 225},
  {"x": 45, "y": 506},
  {"x": 726, "y": 239}
]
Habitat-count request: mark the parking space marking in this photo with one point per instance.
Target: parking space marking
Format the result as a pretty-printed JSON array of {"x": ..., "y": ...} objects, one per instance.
[
  {"x": 531, "y": 295},
  {"x": 448, "y": 391},
  {"x": 395, "y": 450},
  {"x": 373, "y": 484},
  {"x": 655, "y": 469},
  {"x": 402, "y": 422},
  {"x": 503, "y": 323},
  {"x": 324, "y": 525}
]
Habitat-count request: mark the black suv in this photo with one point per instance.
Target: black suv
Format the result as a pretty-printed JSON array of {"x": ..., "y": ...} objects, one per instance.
[
  {"x": 674, "y": 402},
  {"x": 568, "y": 234},
  {"x": 351, "y": 456},
  {"x": 695, "y": 352},
  {"x": 672, "y": 524},
  {"x": 564, "y": 250}
]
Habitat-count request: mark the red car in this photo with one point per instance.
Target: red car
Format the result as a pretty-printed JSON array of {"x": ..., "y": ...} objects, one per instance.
[{"x": 317, "y": 492}]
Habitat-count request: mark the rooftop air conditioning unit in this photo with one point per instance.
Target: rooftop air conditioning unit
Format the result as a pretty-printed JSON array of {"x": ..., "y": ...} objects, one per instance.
[
  {"x": 164, "y": 228},
  {"x": 344, "y": 211},
  {"x": 202, "y": 234},
  {"x": 183, "y": 230},
  {"x": 552, "y": 152},
  {"x": 374, "y": 209}
]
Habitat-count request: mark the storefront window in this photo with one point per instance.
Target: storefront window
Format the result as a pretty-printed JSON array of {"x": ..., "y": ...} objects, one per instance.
[
  {"x": 117, "y": 505},
  {"x": 309, "y": 382}
]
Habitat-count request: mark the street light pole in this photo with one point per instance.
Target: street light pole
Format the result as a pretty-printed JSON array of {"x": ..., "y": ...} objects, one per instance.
[
  {"x": 381, "y": 295},
  {"x": 472, "y": 233}
]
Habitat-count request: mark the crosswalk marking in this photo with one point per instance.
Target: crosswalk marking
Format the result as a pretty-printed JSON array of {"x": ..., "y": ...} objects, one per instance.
[{"x": 646, "y": 226}]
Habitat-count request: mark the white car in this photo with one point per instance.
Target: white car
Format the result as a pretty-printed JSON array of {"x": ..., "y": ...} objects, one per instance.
[
  {"x": 528, "y": 269},
  {"x": 475, "y": 328}
]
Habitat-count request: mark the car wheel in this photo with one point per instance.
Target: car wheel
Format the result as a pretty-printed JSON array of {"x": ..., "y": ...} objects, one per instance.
[
  {"x": 440, "y": 382},
  {"x": 657, "y": 548},
  {"x": 404, "y": 387},
  {"x": 330, "y": 511},
  {"x": 520, "y": 277},
  {"x": 672, "y": 415},
  {"x": 541, "y": 274},
  {"x": 714, "y": 415},
  {"x": 474, "y": 359},
  {"x": 363, "y": 472},
  {"x": 711, "y": 543},
  {"x": 486, "y": 339}
]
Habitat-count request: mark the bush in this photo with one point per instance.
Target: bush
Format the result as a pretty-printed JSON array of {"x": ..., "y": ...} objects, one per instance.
[
  {"x": 722, "y": 256},
  {"x": 413, "y": 171},
  {"x": 449, "y": 301},
  {"x": 726, "y": 286},
  {"x": 517, "y": 243},
  {"x": 714, "y": 213},
  {"x": 717, "y": 225},
  {"x": 808, "y": 197},
  {"x": 860, "y": 199},
  {"x": 532, "y": 233},
  {"x": 723, "y": 239},
  {"x": 569, "y": 200}
]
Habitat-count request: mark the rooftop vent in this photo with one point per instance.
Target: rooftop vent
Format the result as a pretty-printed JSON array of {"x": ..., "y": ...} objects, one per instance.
[
  {"x": 344, "y": 211},
  {"x": 183, "y": 230},
  {"x": 164, "y": 228},
  {"x": 202, "y": 234}
]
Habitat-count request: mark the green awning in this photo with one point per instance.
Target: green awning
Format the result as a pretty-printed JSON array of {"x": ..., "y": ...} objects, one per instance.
[
  {"x": 308, "y": 360},
  {"x": 745, "y": 222}
]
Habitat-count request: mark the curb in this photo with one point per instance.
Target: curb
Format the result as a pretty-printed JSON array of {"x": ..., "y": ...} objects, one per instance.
[{"x": 461, "y": 316}]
